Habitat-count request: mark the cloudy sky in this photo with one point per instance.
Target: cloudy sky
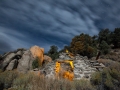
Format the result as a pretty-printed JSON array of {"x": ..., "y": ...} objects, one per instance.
[{"x": 24, "y": 23}]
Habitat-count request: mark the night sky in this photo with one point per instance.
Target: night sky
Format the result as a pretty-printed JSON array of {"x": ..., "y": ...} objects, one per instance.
[{"x": 24, "y": 23}]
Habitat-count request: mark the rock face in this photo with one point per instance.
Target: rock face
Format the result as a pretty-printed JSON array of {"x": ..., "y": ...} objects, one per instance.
[
  {"x": 48, "y": 70},
  {"x": 12, "y": 64},
  {"x": 47, "y": 58},
  {"x": 21, "y": 59},
  {"x": 25, "y": 63},
  {"x": 83, "y": 68},
  {"x": 37, "y": 52},
  {"x": 7, "y": 60},
  {"x": 10, "y": 59},
  {"x": 64, "y": 56}
]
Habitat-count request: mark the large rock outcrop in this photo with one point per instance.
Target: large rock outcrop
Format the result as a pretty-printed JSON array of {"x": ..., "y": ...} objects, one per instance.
[
  {"x": 38, "y": 52},
  {"x": 10, "y": 60},
  {"x": 22, "y": 59}
]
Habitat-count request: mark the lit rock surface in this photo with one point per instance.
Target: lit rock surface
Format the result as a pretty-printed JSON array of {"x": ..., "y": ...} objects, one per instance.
[{"x": 37, "y": 52}]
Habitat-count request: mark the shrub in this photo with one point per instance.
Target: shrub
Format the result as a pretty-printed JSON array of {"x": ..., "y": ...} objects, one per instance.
[
  {"x": 113, "y": 56},
  {"x": 1, "y": 71},
  {"x": 106, "y": 62},
  {"x": 30, "y": 82},
  {"x": 105, "y": 35},
  {"x": 53, "y": 52},
  {"x": 23, "y": 82},
  {"x": 19, "y": 81},
  {"x": 83, "y": 85},
  {"x": 7, "y": 77},
  {"x": 35, "y": 63},
  {"x": 108, "y": 79},
  {"x": 66, "y": 85},
  {"x": 104, "y": 47},
  {"x": 96, "y": 78},
  {"x": 39, "y": 83},
  {"x": 116, "y": 38}
]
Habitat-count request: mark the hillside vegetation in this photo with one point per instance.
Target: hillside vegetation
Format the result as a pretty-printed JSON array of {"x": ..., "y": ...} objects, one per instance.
[
  {"x": 12, "y": 80},
  {"x": 87, "y": 45}
]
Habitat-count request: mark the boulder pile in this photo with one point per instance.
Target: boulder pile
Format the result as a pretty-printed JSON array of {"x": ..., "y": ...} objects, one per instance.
[
  {"x": 21, "y": 59},
  {"x": 83, "y": 68}
]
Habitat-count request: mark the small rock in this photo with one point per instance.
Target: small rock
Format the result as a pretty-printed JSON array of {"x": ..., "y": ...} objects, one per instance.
[
  {"x": 86, "y": 76},
  {"x": 85, "y": 58},
  {"x": 76, "y": 76},
  {"x": 80, "y": 72},
  {"x": 36, "y": 69}
]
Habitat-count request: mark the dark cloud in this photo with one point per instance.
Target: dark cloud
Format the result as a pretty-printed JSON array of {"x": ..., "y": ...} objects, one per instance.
[
  {"x": 54, "y": 22},
  {"x": 4, "y": 47}
]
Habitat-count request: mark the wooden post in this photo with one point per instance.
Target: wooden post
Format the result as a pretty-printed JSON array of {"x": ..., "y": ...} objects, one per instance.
[{"x": 98, "y": 55}]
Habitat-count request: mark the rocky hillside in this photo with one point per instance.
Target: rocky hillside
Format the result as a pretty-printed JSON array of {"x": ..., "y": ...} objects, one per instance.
[
  {"x": 106, "y": 68},
  {"x": 22, "y": 60}
]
